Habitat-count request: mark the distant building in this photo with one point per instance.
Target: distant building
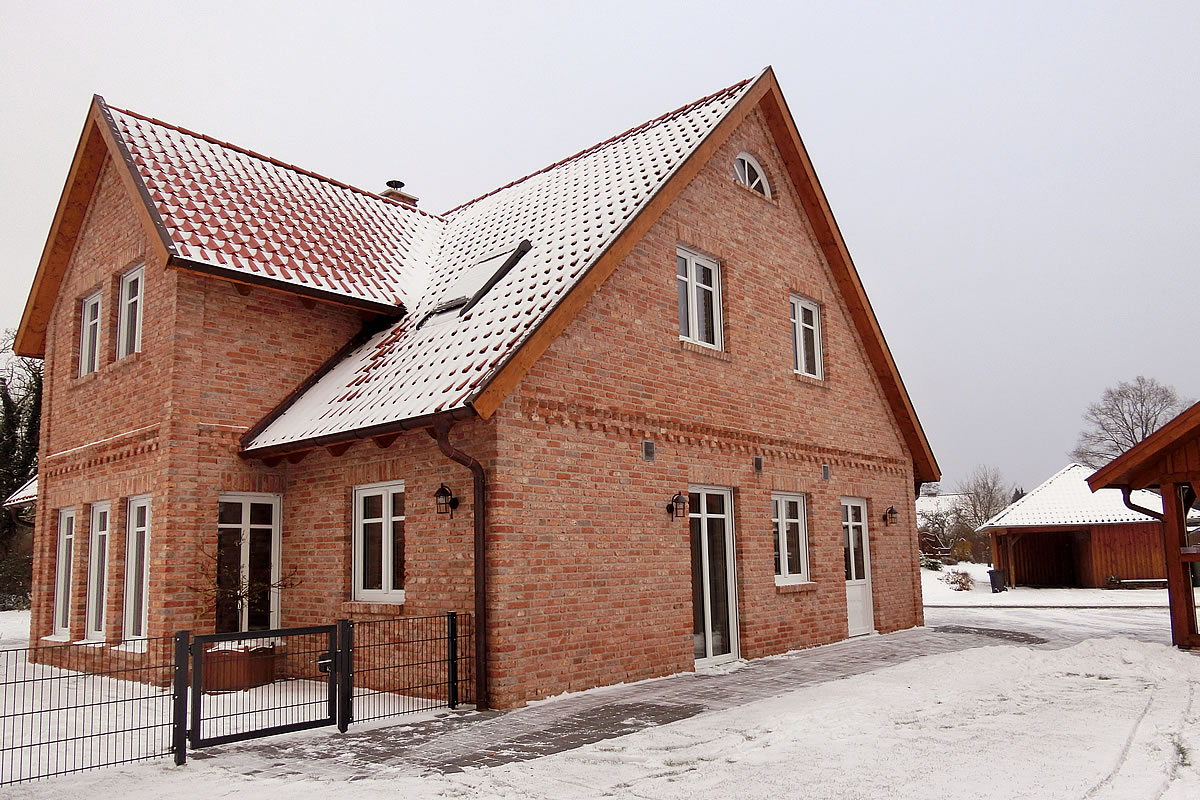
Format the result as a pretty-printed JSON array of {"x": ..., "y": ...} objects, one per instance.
[{"x": 1063, "y": 534}]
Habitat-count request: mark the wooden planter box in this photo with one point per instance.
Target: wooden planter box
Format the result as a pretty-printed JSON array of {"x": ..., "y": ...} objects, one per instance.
[{"x": 237, "y": 670}]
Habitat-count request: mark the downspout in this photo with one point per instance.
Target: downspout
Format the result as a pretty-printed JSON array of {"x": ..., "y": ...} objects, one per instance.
[
  {"x": 441, "y": 433},
  {"x": 1132, "y": 506}
]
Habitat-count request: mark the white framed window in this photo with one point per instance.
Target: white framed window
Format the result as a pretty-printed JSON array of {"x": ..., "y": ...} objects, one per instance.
[
  {"x": 129, "y": 316},
  {"x": 806, "y": 338},
  {"x": 89, "y": 334},
  {"x": 789, "y": 522},
  {"x": 97, "y": 583},
  {"x": 699, "y": 283},
  {"x": 379, "y": 542},
  {"x": 248, "y": 582},
  {"x": 62, "y": 572},
  {"x": 748, "y": 172},
  {"x": 137, "y": 566}
]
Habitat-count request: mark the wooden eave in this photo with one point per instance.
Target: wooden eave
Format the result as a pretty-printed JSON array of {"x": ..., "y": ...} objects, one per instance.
[
  {"x": 764, "y": 93},
  {"x": 97, "y": 142},
  {"x": 1172, "y": 450}
]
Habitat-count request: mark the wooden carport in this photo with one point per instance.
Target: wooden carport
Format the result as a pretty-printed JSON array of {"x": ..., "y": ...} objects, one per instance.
[{"x": 1169, "y": 459}]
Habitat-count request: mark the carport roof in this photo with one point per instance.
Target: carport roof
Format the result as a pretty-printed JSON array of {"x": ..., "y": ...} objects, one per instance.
[{"x": 1066, "y": 499}]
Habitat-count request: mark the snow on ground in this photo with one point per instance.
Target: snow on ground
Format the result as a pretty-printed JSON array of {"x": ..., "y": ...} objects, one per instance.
[
  {"x": 937, "y": 593},
  {"x": 14, "y": 628},
  {"x": 1104, "y": 719}
]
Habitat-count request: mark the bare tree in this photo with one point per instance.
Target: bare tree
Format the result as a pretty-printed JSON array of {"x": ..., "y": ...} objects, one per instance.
[
  {"x": 985, "y": 494},
  {"x": 1126, "y": 414}
]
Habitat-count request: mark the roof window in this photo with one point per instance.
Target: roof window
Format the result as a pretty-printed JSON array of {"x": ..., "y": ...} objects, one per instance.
[
  {"x": 472, "y": 283},
  {"x": 748, "y": 173}
]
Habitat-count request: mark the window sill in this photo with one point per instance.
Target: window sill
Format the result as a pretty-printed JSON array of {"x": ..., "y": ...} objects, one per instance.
[
  {"x": 57, "y": 638},
  {"x": 131, "y": 646},
  {"x": 91, "y": 642},
  {"x": 810, "y": 380},
  {"x": 788, "y": 586},
  {"x": 704, "y": 350},
  {"x": 371, "y": 607}
]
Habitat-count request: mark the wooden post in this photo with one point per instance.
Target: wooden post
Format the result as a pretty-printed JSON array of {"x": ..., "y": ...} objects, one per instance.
[{"x": 1179, "y": 583}]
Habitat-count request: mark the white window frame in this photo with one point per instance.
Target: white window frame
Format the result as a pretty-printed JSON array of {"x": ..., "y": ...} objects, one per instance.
[
  {"x": 135, "y": 623},
  {"x": 245, "y": 499},
  {"x": 131, "y": 305},
  {"x": 89, "y": 334},
  {"x": 97, "y": 577},
  {"x": 386, "y": 594},
  {"x": 691, "y": 261},
  {"x": 763, "y": 187},
  {"x": 65, "y": 553},
  {"x": 799, "y": 357},
  {"x": 779, "y": 520}
]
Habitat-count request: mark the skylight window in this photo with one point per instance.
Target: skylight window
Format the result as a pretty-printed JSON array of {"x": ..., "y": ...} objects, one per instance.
[{"x": 473, "y": 283}]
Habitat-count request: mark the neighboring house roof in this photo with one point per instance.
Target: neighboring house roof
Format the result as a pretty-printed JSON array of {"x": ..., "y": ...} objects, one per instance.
[
  {"x": 24, "y": 496},
  {"x": 1140, "y": 465},
  {"x": 1066, "y": 499},
  {"x": 939, "y": 503},
  {"x": 215, "y": 208}
]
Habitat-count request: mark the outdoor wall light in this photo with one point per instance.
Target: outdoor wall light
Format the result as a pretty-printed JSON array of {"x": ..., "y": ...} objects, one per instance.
[
  {"x": 891, "y": 516},
  {"x": 446, "y": 501},
  {"x": 678, "y": 507}
]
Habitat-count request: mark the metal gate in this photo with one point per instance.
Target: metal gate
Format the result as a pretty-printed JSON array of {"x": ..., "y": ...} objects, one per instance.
[{"x": 260, "y": 683}]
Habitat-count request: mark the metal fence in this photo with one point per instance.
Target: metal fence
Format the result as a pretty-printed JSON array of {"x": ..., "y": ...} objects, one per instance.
[{"x": 71, "y": 707}]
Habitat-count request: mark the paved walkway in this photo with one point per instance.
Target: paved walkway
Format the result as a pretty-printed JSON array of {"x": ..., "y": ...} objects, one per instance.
[{"x": 456, "y": 740}]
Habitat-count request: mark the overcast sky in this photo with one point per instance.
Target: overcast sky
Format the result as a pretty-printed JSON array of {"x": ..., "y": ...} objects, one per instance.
[{"x": 1019, "y": 183}]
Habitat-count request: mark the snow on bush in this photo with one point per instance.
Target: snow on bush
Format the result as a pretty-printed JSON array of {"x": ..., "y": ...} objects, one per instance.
[{"x": 958, "y": 580}]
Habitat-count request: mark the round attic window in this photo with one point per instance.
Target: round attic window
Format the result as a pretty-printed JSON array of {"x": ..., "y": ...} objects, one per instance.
[{"x": 748, "y": 173}]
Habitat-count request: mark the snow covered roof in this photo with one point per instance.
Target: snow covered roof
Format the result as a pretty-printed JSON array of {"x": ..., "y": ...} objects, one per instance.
[
  {"x": 1066, "y": 499},
  {"x": 939, "y": 503},
  {"x": 25, "y": 495},
  {"x": 435, "y": 360},
  {"x": 236, "y": 212}
]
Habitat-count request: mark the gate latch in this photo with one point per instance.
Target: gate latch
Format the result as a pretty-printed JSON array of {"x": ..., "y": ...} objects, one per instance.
[{"x": 325, "y": 662}]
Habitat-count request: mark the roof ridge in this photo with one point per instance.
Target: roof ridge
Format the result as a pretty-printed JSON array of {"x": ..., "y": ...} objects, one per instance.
[
  {"x": 635, "y": 129},
  {"x": 275, "y": 161}
]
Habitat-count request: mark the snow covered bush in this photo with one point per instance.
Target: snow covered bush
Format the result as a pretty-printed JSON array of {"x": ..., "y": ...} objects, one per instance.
[
  {"x": 929, "y": 562},
  {"x": 958, "y": 580}
]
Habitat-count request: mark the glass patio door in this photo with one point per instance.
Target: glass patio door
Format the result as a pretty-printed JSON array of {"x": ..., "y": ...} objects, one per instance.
[
  {"x": 247, "y": 597},
  {"x": 714, "y": 595}
]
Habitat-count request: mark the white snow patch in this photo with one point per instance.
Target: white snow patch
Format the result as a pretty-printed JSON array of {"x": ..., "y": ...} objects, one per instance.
[
  {"x": 14, "y": 628},
  {"x": 937, "y": 593},
  {"x": 1105, "y": 719}
]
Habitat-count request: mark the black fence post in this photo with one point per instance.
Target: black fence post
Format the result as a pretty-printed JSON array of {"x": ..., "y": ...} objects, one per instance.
[
  {"x": 452, "y": 658},
  {"x": 197, "y": 651},
  {"x": 179, "y": 708},
  {"x": 344, "y": 663}
]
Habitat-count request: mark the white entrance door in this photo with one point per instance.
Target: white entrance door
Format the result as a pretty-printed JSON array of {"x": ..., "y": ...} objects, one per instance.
[
  {"x": 714, "y": 582},
  {"x": 859, "y": 613}
]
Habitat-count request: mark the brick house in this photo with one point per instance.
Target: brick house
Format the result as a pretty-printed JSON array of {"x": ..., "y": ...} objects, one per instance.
[{"x": 651, "y": 368}]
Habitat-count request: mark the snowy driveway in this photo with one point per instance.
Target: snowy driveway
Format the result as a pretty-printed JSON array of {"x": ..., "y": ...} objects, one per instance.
[{"x": 983, "y": 703}]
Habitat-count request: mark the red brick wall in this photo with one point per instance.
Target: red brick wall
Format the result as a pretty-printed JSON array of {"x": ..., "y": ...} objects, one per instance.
[
  {"x": 318, "y": 523},
  {"x": 164, "y": 421},
  {"x": 593, "y": 581}
]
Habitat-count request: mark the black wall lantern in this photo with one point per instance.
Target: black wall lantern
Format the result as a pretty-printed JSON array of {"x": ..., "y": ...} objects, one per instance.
[
  {"x": 891, "y": 516},
  {"x": 446, "y": 501},
  {"x": 678, "y": 507}
]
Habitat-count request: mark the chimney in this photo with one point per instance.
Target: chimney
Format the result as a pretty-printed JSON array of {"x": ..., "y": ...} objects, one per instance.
[{"x": 395, "y": 191}]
